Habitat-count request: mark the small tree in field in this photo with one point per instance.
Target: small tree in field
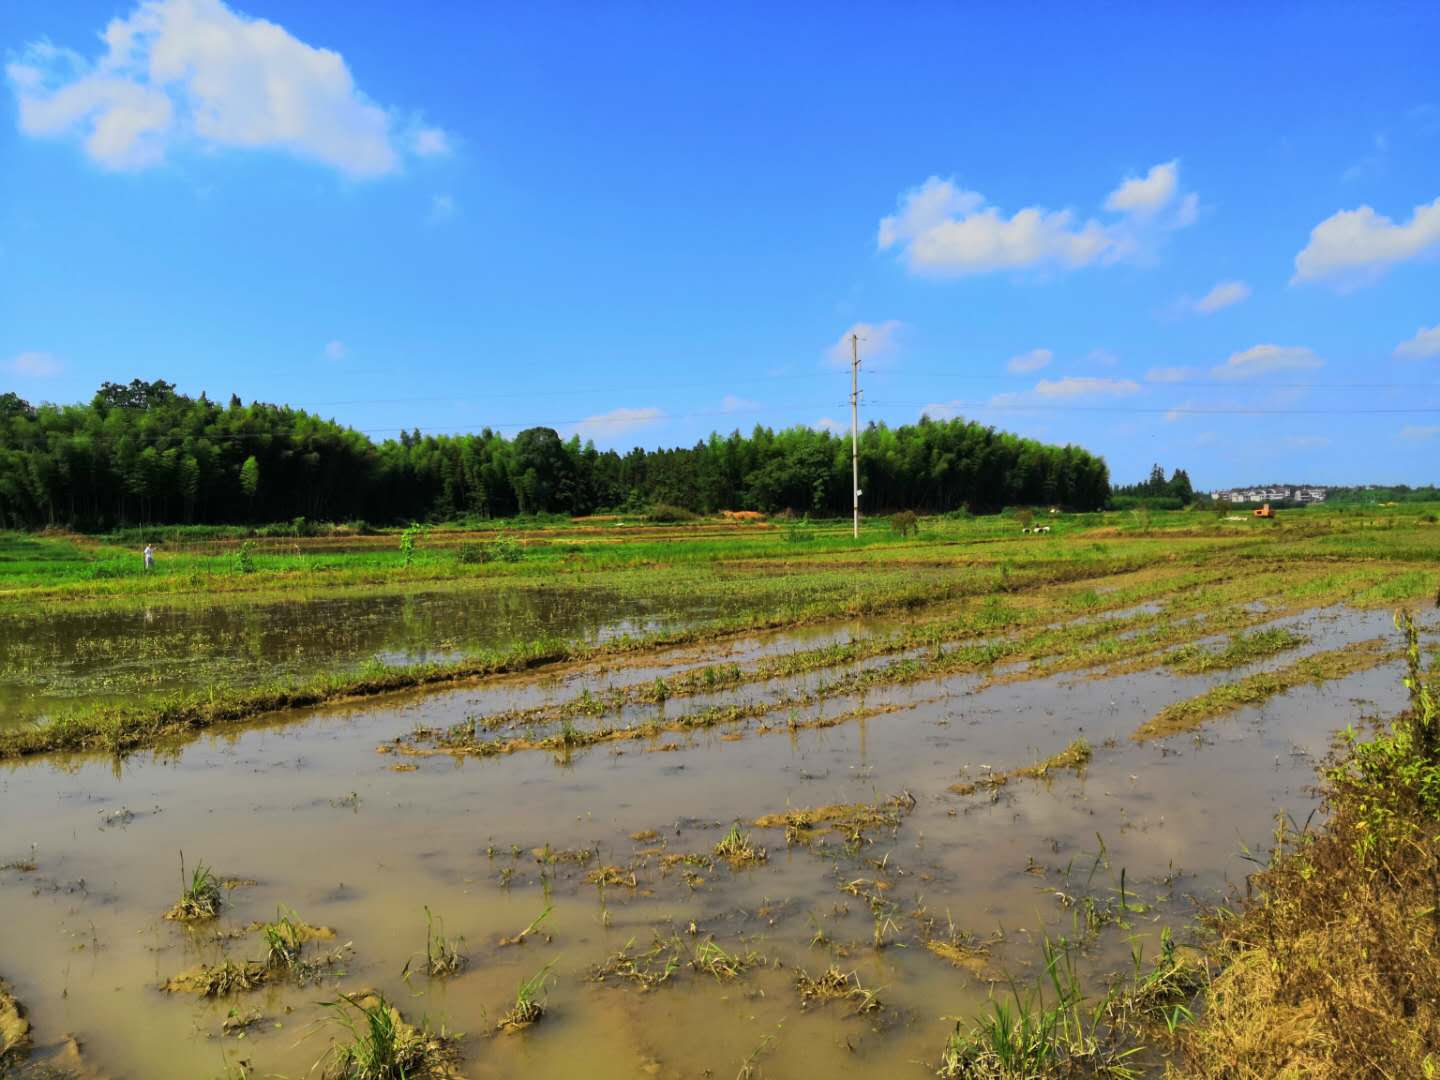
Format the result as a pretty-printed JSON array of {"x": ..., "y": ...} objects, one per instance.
[
  {"x": 1026, "y": 517},
  {"x": 904, "y": 523},
  {"x": 407, "y": 542}
]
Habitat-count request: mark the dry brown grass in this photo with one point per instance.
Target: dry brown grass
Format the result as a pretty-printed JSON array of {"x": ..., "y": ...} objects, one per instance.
[
  {"x": 14, "y": 1028},
  {"x": 1332, "y": 967}
]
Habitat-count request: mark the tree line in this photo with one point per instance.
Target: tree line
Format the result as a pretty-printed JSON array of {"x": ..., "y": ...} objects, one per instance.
[
  {"x": 1155, "y": 492},
  {"x": 141, "y": 453}
]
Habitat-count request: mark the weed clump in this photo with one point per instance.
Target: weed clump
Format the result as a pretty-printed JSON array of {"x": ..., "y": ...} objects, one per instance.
[
  {"x": 1035, "y": 1034},
  {"x": 836, "y": 985},
  {"x": 713, "y": 960},
  {"x": 651, "y": 968},
  {"x": 601, "y": 876},
  {"x": 222, "y": 979},
  {"x": 443, "y": 955},
  {"x": 200, "y": 895},
  {"x": 1074, "y": 757},
  {"x": 849, "y": 819},
  {"x": 284, "y": 941},
  {"x": 380, "y": 1045},
  {"x": 736, "y": 849},
  {"x": 529, "y": 1006}
]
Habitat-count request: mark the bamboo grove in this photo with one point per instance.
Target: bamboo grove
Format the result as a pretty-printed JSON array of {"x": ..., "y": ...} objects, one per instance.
[{"x": 143, "y": 453}]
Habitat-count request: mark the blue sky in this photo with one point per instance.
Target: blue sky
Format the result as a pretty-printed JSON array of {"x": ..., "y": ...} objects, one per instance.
[{"x": 1204, "y": 238}]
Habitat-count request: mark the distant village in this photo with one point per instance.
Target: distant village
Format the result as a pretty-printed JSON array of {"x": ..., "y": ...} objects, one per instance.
[{"x": 1279, "y": 493}]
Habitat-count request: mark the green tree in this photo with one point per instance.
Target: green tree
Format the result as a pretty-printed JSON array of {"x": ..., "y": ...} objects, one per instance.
[{"x": 250, "y": 480}]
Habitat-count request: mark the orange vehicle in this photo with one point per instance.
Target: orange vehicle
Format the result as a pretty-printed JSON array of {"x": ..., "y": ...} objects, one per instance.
[{"x": 1265, "y": 512}]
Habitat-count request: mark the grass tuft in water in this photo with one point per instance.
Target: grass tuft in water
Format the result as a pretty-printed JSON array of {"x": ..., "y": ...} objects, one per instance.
[
  {"x": 200, "y": 895},
  {"x": 529, "y": 1007},
  {"x": 380, "y": 1045},
  {"x": 735, "y": 847},
  {"x": 443, "y": 955},
  {"x": 836, "y": 985}
]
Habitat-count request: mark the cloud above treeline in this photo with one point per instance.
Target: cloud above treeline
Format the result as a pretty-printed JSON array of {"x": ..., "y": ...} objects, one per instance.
[
  {"x": 616, "y": 422},
  {"x": 197, "y": 72},
  {"x": 940, "y": 229}
]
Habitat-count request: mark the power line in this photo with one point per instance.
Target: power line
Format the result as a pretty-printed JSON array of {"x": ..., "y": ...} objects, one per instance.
[{"x": 1178, "y": 410}]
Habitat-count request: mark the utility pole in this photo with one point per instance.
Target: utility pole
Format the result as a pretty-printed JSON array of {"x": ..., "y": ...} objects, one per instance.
[{"x": 855, "y": 427}]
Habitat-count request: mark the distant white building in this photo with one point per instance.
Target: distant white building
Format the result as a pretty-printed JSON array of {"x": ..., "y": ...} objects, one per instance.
[{"x": 1301, "y": 494}]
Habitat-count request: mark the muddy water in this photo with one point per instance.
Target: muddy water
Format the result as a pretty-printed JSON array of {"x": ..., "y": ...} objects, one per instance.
[
  {"x": 69, "y": 656},
  {"x": 309, "y": 810}
]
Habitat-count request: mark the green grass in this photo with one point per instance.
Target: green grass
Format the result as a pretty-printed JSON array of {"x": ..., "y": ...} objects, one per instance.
[
  {"x": 1237, "y": 651},
  {"x": 378, "y": 1044},
  {"x": 1184, "y": 716},
  {"x": 112, "y": 687},
  {"x": 530, "y": 1002},
  {"x": 200, "y": 895}
]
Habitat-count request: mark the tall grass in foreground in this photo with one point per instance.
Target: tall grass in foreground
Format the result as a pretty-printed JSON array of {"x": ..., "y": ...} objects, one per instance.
[
  {"x": 1051, "y": 1029},
  {"x": 1329, "y": 970},
  {"x": 1332, "y": 969}
]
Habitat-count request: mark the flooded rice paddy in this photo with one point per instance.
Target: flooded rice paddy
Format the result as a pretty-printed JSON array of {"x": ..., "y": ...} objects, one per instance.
[
  {"x": 68, "y": 657},
  {"x": 927, "y": 872}
]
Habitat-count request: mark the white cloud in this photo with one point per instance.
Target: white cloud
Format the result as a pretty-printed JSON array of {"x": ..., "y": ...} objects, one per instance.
[
  {"x": 826, "y": 423},
  {"x": 1426, "y": 342},
  {"x": 617, "y": 422},
  {"x": 1033, "y": 360},
  {"x": 1262, "y": 359},
  {"x": 1179, "y": 412},
  {"x": 942, "y": 229},
  {"x": 879, "y": 342},
  {"x": 1085, "y": 386},
  {"x": 732, "y": 403},
  {"x": 1148, "y": 194},
  {"x": 1170, "y": 374},
  {"x": 1354, "y": 247},
  {"x": 335, "y": 350},
  {"x": 1102, "y": 357},
  {"x": 35, "y": 365},
  {"x": 1046, "y": 392},
  {"x": 1223, "y": 295},
  {"x": 177, "y": 71},
  {"x": 1413, "y": 433}
]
